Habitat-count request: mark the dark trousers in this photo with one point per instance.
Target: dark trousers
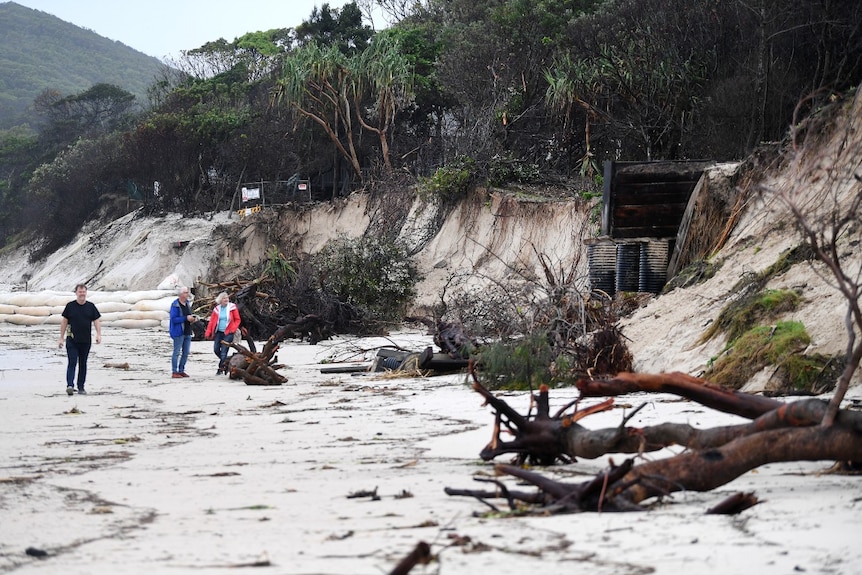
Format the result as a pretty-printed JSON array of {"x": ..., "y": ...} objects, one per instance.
[{"x": 77, "y": 353}]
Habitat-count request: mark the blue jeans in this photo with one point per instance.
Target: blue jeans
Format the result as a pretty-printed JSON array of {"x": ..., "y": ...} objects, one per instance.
[
  {"x": 221, "y": 349},
  {"x": 77, "y": 353},
  {"x": 182, "y": 346}
]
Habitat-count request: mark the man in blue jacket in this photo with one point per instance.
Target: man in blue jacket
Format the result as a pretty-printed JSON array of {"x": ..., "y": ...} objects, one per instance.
[{"x": 181, "y": 320}]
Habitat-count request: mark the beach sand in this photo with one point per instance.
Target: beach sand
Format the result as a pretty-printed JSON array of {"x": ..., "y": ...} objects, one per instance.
[{"x": 147, "y": 474}]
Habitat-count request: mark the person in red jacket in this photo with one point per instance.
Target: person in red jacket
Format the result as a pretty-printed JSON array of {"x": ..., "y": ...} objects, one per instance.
[{"x": 224, "y": 321}]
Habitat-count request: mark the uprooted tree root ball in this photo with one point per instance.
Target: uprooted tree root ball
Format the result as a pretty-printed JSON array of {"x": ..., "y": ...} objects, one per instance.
[{"x": 713, "y": 457}]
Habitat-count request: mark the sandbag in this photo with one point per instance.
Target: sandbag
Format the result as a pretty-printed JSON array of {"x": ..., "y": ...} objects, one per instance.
[
  {"x": 33, "y": 310},
  {"x": 136, "y": 296},
  {"x": 134, "y": 323},
  {"x": 163, "y": 304},
  {"x": 112, "y": 306},
  {"x": 133, "y": 314},
  {"x": 35, "y": 299},
  {"x": 21, "y": 319},
  {"x": 171, "y": 282},
  {"x": 139, "y": 309},
  {"x": 103, "y": 297}
]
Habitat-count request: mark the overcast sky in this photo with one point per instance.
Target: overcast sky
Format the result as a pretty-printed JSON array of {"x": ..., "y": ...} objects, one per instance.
[{"x": 162, "y": 28}]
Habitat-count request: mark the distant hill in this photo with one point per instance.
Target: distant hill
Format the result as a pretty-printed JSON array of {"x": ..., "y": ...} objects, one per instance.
[{"x": 39, "y": 51}]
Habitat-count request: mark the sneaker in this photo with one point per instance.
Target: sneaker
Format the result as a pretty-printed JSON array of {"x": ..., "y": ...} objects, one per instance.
[
  {"x": 218, "y": 372},
  {"x": 183, "y": 374},
  {"x": 70, "y": 390},
  {"x": 82, "y": 391},
  {"x": 176, "y": 375}
]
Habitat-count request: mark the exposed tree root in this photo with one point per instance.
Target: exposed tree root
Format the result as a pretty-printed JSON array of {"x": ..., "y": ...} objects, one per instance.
[{"x": 778, "y": 432}]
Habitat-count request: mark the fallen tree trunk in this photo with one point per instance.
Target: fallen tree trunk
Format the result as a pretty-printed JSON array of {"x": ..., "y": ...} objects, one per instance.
[
  {"x": 780, "y": 432},
  {"x": 544, "y": 438},
  {"x": 624, "y": 487},
  {"x": 681, "y": 384},
  {"x": 310, "y": 326},
  {"x": 706, "y": 469}
]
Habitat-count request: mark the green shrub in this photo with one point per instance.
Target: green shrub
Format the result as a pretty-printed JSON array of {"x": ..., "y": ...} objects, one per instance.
[
  {"x": 815, "y": 373},
  {"x": 278, "y": 267},
  {"x": 508, "y": 168},
  {"x": 518, "y": 363},
  {"x": 372, "y": 274},
  {"x": 452, "y": 181}
]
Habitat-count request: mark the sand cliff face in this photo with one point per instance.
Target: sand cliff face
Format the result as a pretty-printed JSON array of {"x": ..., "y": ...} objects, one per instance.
[{"x": 489, "y": 235}]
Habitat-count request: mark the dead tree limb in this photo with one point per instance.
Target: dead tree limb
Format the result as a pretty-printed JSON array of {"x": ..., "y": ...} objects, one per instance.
[
  {"x": 736, "y": 503},
  {"x": 593, "y": 495},
  {"x": 624, "y": 487},
  {"x": 704, "y": 470},
  {"x": 421, "y": 555},
  {"x": 690, "y": 387},
  {"x": 544, "y": 439},
  {"x": 310, "y": 326},
  {"x": 715, "y": 456}
]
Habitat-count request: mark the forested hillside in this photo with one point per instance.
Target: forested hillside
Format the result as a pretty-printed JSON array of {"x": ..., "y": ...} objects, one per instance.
[
  {"x": 40, "y": 52},
  {"x": 456, "y": 93}
]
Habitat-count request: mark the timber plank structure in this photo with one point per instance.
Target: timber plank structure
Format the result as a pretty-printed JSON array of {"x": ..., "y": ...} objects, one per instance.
[
  {"x": 647, "y": 199},
  {"x": 644, "y": 207}
]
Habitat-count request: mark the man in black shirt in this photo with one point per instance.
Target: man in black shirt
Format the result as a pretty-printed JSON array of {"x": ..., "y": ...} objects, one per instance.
[{"x": 75, "y": 329}]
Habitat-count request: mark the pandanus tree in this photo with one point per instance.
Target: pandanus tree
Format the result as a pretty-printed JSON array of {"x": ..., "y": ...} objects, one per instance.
[
  {"x": 341, "y": 93},
  {"x": 641, "y": 91},
  {"x": 385, "y": 74},
  {"x": 565, "y": 95},
  {"x": 317, "y": 83}
]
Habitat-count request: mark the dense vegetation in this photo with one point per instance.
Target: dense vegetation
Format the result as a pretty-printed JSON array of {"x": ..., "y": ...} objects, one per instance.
[{"x": 484, "y": 90}]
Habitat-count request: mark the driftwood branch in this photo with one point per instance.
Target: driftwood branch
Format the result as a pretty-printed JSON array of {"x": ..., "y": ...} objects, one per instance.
[
  {"x": 544, "y": 439},
  {"x": 623, "y": 487},
  {"x": 256, "y": 368},
  {"x": 734, "y": 504},
  {"x": 777, "y": 432},
  {"x": 694, "y": 388},
  {"x": 421, "y": 555}
]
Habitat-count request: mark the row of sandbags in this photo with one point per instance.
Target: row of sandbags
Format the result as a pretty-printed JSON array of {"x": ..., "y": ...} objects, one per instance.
[{"x": 130, "y": 309}]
